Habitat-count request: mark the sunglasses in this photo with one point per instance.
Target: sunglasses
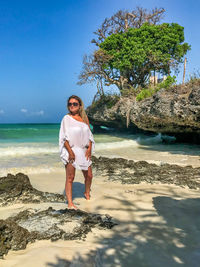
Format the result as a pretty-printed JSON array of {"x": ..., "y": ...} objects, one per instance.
[{"x": 73, "y": 104}]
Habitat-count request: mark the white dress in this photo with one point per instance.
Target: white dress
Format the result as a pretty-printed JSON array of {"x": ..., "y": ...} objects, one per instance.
[{"x": 78, "y": 135}]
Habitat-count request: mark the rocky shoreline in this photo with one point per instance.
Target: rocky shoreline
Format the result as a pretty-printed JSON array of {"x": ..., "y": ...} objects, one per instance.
[
  {"x": 18, "y": 189},
  {"x": 34, "y": 224},
  {"x": 175, "y": 112},
  {"x": 130, "y": 172},
  {"x": 31, "y": 225}
]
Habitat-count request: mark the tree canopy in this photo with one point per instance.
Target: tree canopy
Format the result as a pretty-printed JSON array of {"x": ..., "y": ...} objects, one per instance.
[
  {"x": 135, "y": 53},
  {"x": 132, "y": 44}
]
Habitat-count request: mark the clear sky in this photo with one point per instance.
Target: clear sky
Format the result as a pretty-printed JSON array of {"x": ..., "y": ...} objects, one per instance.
[{"x": 42, "y": 44}]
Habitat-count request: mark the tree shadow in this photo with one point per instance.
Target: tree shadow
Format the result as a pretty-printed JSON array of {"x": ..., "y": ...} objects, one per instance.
[
  {"x": 78, "y": 261},
  {"x": 176, "y": 148},
  {"x": 166, "y": 233},
  {"x": 60, "y": 263},
  {"x": 184, "y": 217}
]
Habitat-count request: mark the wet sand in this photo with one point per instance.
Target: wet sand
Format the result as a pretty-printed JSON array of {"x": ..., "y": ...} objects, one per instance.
[
  {"x": 180, "y": 155},
  {"x": 158, "y": 225}
]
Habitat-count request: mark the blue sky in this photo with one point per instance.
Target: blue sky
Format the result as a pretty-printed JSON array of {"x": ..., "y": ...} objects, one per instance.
[{"x": 42, "y": 44}]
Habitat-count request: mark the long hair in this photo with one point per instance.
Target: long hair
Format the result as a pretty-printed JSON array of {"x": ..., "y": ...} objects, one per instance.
[{"x": 81, "y": 109}]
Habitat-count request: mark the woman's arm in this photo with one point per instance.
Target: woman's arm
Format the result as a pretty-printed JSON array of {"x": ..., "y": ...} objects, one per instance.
[
  {"x": 70, "y": 151},
  {"x": 64, "y": 139},
  {"x": 90, "y": 143},
  {"x": 67, "y": 146}
]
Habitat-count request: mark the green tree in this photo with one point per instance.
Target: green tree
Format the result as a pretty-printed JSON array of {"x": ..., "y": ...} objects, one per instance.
[
  {"x": 132, "y": 55},
  {"x": 94, "y": 70}
]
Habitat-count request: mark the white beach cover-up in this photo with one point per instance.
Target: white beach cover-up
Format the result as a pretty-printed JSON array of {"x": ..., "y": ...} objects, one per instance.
[{"x": 78, "y": 135}]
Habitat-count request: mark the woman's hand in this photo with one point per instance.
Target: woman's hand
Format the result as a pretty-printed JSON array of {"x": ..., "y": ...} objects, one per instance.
[
  {"x": 71, "y": 157},
  {"x": 88, "y": 154}
]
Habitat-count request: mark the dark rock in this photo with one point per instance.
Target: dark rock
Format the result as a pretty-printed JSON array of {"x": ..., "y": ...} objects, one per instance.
[
  {"x": 31, "y": 225},
  {"x": 12, "y": 236},
  {"x": 114, "y": 117},
  {"x": 130, "y": 172},
  {"x": 170, "y": 112},
  {"x": 174, "y": 112},
  {"x": 18, "y": 189}
]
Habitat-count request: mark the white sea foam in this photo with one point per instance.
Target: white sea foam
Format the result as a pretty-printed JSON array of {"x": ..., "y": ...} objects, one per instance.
[
  {"x": 158, "y": 139},
  {"x": 116, "y": 145},
  {"x": 31, "y": 170},
  {"x": 144, "y": 141},
  {"x": 13, "y": 151},
  {"x": 150, "y": 140}
]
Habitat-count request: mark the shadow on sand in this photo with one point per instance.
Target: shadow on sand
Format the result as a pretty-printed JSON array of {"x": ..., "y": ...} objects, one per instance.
[
  {"x": 167, "y": 234},
  {"x": 78, "y": 190}
]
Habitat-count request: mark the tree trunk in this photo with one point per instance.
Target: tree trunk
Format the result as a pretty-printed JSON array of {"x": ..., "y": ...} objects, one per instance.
[{"x": 184, "y": 70}]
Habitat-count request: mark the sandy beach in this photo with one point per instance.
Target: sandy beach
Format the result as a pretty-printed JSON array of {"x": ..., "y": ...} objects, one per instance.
[
  {"x": 115, "y": 84},
  {"x": 158, "y": 225}
]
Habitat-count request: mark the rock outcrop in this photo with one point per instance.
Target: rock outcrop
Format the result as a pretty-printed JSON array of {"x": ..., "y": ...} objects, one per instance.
[
  {"x": 18, "y": 189},
  {"x": 113, "y": 117},
  {"x": 130, "y": 172},
  {"x": 174, "y": 112},
  {"x": 33, "y": 224},
  {"x": 30, "y": 225},
  {"x": 171, "y": 112}
]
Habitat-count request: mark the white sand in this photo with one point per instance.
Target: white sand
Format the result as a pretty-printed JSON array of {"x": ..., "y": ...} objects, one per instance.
[
  {"x": 182, "y": 157},
  {"x": 158, "y": 225}
]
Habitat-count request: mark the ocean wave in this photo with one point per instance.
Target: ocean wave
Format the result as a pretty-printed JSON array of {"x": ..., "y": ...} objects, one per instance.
[
  {"x": 16, "y": 150},
  {"x": 31, "y": 170},
  {"x": 140, "y": 141},
  {"x": 13, "y": 151},
  {"x": 116, "y": 145},
  {"x": 158, "y": 139}
]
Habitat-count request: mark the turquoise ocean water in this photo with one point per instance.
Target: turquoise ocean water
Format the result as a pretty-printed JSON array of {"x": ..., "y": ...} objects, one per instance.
[{"x": 33, "y": 148}]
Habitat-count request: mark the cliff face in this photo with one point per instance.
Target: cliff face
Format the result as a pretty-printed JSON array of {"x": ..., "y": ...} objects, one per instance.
[
  {"x": 173, "y": 111},
  {"x": 169, "y": 112},
  {"x": 115, "y": 116}
]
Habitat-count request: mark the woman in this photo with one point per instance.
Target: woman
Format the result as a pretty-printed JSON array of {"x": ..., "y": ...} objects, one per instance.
[{"x": 76, "y": 144}]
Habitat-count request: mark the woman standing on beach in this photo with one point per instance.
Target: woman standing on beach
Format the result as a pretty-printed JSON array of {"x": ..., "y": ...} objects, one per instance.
[{"x": 76, "y": 144}]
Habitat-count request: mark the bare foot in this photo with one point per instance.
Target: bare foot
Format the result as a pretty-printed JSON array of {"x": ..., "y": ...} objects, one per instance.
[
  {"x": 87, "y": 196},
  {"x": 72, "y": 207}
]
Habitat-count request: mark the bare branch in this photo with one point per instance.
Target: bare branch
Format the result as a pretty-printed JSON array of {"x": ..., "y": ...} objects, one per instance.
[
  {"x": 123, "y": 20},
  {"x": 94, "y": 69}
]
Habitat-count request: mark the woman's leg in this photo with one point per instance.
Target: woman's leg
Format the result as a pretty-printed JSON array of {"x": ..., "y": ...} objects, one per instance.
[
  {"x": 88, "y": 181},
  {"x": 70, "y": 174}
]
